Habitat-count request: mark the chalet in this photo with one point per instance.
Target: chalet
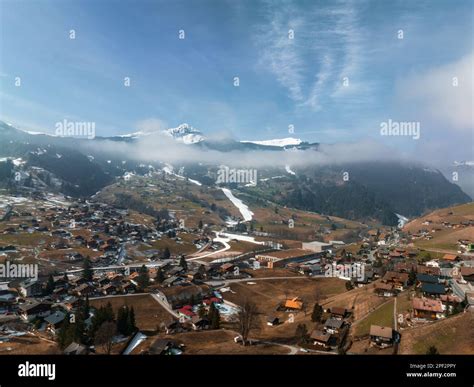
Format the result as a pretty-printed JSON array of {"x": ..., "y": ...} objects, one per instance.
[
  {"x": 386, "y": 290},
  {"x": 174, "y": 271},
  {"x": 33, "y": 309},
  {"x": 54, "y": 321},
  {"x": 293, "y": 304},
  {"x": 333, "y": 325},
  {"x": 61, "y": 281},
  {"x": 194, "y": 275},
  {"x": 199, "y": 323},
  {"x": 71, "y": 302},
  {"x": 282, "y": 257},
  {"x": 338, "y": 313},
  {"x": 30, "y": 288},
  {"x": 450, "y": 257},
  {"x": 227, "y": 268},
  {"x": 109, "y": 289},
  {"x": 427, "y": 278},
  {"x": 405, "y": 267},
  {"x": 173, "y": 280},
  {"x": 128, "y": 287},
  {"x": 75, "y": 349},
  {"x": 428, "y": 270},
  {"x": 381, "y": 336},
  {"x": 310, "y": 269},
  {"x": 59, "y": 294},
  {"x": 178, "y": 296},
  {"x": 84, "y": 290},
  {"x": 323, "y": 339},
  {"x": 186, "y": 312},
  {"x": 467, "y": 274},
  {"x": 272, "y": 320},
  {"x": 173, "y": 326},
  {"x": 399, "y": 280},
  {"x": 427, "y": 308},
  {"x": 209, "y": 301},
  {"x": 161, "y": 347},
  {"x": 449, "y": 299},
  {"x": 434, "y": 290},
  {"x": 8, "y": 298}
]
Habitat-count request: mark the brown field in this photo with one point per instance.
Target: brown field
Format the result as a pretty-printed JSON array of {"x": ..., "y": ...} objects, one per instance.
[
  {"x": 454, "y": 335},
  {"x": 445, "y": 239},
  {"x": 29, "y": 345},
  {"x": 221, "y": 342},
  {"x": 277, "y": 272},
  {"x": 382, "y": 315},
  {"x": 363, "y": 300},
  {"x": 148, "y": 313},
  {"x": 185, "y": 246},
  {"x": 268, "y": 294}
]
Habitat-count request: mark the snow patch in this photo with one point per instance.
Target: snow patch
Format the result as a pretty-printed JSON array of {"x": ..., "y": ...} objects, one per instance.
[
  {"x": 243, "y": 208},
  {"x": 289, "y": 170},
  {"x": 281, "y": 142}
]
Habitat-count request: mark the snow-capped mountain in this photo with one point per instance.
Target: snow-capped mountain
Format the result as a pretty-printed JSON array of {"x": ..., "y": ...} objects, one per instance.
[
  {"x": 464, "y": 163},
  {"x": 185, "y": 133},
  {"x": 281, "y": 142}
]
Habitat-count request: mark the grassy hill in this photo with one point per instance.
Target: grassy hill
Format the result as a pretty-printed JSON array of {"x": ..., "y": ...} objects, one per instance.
[{"x": 443, "y": 236}]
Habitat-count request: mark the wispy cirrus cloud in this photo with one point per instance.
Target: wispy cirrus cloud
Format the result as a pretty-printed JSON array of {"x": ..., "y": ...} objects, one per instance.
[{"x": 329, "y": 47}]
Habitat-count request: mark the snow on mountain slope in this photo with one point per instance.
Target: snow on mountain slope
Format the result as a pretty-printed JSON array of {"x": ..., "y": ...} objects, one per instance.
[
  {"x": 464, "y": 163},
  {"x": 243, "y": 208},
  {"x": 183, "y": 133},
  {"x": 281, "y": 142},
  {"x": 289, "y": 170}
]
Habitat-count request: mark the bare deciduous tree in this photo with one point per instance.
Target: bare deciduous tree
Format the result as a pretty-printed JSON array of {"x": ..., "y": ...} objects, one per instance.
[
  {"x": 104, "y": 336},
  {"x": 247, "y": 319}
]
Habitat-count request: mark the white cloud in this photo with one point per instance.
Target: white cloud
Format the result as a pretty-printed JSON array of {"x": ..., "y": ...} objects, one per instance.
[
  {"x": 435, "y": 101},
  {"x": 329, "y": 44},
  {"x": 151, "y": 125}
]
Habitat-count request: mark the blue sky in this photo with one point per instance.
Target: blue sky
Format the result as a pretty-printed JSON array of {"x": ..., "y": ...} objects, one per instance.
[{"x": 282, "y": 81}]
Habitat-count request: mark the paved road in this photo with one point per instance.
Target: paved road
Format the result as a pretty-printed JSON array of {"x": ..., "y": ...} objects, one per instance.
[
  {"x": 225, "y": 248},
  {"x": 164, "y": 304},
  {"x": 230, "y": 281}
]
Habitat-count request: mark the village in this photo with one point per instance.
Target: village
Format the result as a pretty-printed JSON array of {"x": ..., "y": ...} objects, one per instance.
[{"x": 112, "y": 280}]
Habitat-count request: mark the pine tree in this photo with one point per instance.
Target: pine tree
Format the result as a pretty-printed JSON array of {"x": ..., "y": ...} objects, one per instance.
[
  {"x": 166, "y": 253},
  {"x": 432, "y": 350},
  {"x": 160, "y": 277},
  {"x": 122, "y": 316},
  {"x": 301, "y": 334},
  {"x": 214, "y": 317},
  {"x": 86, "y": 308},
  {"x": 143, "y": 278},
  {"x": 317, "y": 313},
  {"x": 183, "y": 263},
  {"x": 49, "y": 285},
  {"x": 87, "y": 273},
  {"x": 67, "y": 333},
  {"x": 412, "y": 276},
  {"x": 131, "y": 328}
]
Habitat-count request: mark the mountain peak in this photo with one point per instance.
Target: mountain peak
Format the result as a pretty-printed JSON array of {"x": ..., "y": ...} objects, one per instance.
[{"x": 185, "y": 133}]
